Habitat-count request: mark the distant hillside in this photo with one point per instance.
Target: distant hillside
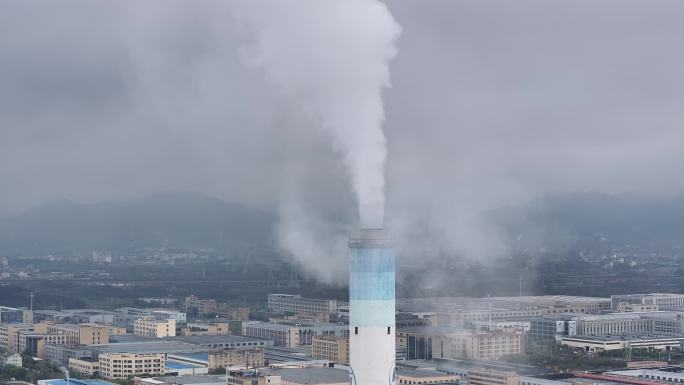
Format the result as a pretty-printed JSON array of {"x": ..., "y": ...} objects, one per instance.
[
  {"x": 585, "y": 219},
  {"x": 172, "y": 220}
]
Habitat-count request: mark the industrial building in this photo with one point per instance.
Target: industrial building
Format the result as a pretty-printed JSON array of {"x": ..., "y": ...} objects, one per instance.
[
  {"x": 663, "y": 301},
  {"x": 492, "y": 377},
  {"x": 413, "y": 376},
  {"x": 296, "y": 304},
  {"x": 11, "y": 315},
  {"x": 650, "y": 374},
  {"x": 618, "y": 342},
  {"x": 292, "y": 334},
  {"x": 62, "y": 354},
  {"x": 217, "y": 359}
]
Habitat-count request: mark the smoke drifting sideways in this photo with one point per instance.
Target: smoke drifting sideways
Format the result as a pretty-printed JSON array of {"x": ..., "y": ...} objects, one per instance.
[{"x": 331, "y": 58}]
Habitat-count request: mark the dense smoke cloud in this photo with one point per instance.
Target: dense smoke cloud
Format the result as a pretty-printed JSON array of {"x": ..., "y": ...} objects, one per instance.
[{"x": 332, "y": 57}]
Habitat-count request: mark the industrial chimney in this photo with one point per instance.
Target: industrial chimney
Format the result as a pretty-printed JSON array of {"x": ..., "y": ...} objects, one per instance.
[{"x": 371, "y": 309}]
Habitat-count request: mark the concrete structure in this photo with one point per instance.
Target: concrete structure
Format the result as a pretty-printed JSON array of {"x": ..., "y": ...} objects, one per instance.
[
  {"x": 74, "y": 381},
  {"x": 547, "y": 331},
  {"x": 661, "y": 322},
  {"x": 371, "y": 309},
  {"x": 165, "y": 315},
  {"x": 218, "y": 359},
  {"x": 525, "y": 380},
  {"x": 85, "y": 334},
  {"x": 125, "y": 365},
  {"x": 62, "y": 354},
  {"x": 9, "y": 336},
  {"x": 178, "y": 368},
  {"x": 291, "y": 334},
  {"x": 478, "y": 345},
  {"x": 87, "y": 366},
  {"x": 10, "y": 315},
  {"x": 11, "y": 359},
  {"x": 295, "y": 304},
  {"x": 649, "y": 374},
  {"x": 458, "y": 311},
  {"x": 492, "y": 377},
  {"x": 664, "y": 301},
  {"x": 333, "y": 349},
  {"x": 309, "y": 376},
  {"x": 206, "y": 329},
  {"x": 608, "y": 342},
  {"x": 153, "y": 327},
  {"x": 412, "y": 376},
  {"x": 196, "y": 306}
]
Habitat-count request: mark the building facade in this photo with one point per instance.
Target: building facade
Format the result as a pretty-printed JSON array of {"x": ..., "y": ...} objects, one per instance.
[
  {"x": 127, "y": 365},
  {"x": 478, "y": 345},
  {"x": 292, "y": 334},
  {"x": 492, "y": 377},
  {"x": 295, "y": 304},
  {"x": 153, "y": 327},
  {"x": 663, "y": 301},
  {"x": 333, "y": 349}
]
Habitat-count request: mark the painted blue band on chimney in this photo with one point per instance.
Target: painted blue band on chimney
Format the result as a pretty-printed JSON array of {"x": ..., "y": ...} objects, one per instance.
[{"x": 371, "y": 286}]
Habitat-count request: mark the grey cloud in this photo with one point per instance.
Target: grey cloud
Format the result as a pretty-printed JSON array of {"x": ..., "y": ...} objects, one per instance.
[{"x": 492, "y": 103}]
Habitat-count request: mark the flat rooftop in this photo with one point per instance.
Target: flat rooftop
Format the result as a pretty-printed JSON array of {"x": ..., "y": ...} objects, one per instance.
[
  {"x": 314, "y": 375},
  {"x": 147, "y": 347}
]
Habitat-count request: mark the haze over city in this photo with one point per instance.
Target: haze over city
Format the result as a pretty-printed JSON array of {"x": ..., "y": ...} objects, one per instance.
[{"x": 238, "y": 164}]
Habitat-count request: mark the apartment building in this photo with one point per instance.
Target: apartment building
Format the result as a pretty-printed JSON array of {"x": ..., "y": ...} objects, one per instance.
[
  {"x": 330, "y": 348},
  {"x": 478, "y": 345},
  {"x": 87, "y": 366},
  {"x": 492, "y": 377},
  {"x": 126, "y": 365},
  {"x": 153, "y": 327}
]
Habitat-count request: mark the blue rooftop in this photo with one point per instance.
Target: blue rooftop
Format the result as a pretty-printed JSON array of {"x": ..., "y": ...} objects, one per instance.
[
  {"x": 75, "y": 381},
  {"x": 202, "y": 356},
  {"x": 178, "y": 365}
]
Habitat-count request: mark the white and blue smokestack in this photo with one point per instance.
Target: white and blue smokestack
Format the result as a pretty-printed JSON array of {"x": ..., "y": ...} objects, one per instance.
[{"x": 371, "y": 309}]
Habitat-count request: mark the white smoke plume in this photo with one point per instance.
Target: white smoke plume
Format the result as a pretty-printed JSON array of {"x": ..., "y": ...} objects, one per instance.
[{"x": 331, "y": 57}]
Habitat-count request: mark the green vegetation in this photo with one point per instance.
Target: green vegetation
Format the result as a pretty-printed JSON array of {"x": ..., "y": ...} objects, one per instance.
[{"x": 565, "y": 360}]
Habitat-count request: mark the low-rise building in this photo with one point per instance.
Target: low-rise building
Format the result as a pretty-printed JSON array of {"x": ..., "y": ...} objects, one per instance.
[
  {"x": 62, "y": 354},
  {"x": 217, "y": 359},
  {"x": 153, "y": 327},
  {"x": 87, "y": 366},
  {"x": 492, "y": 377},
  {"x": 13, "y": 359},
  {"x": 206, "y": 329},
  {"x": 663, "y": 301},
  {"x": 292, "y": 334},
  {"x": 331, "y": 348},
  {"x": 478, "y": 345},
  {"x": 618, "y": 342},
  {"x": 126, "y": 365},
  {"x": 413, "y": 376}
]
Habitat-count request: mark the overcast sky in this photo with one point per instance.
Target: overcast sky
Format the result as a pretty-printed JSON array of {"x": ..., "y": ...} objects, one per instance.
[{"x": 492, "y": 103}]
